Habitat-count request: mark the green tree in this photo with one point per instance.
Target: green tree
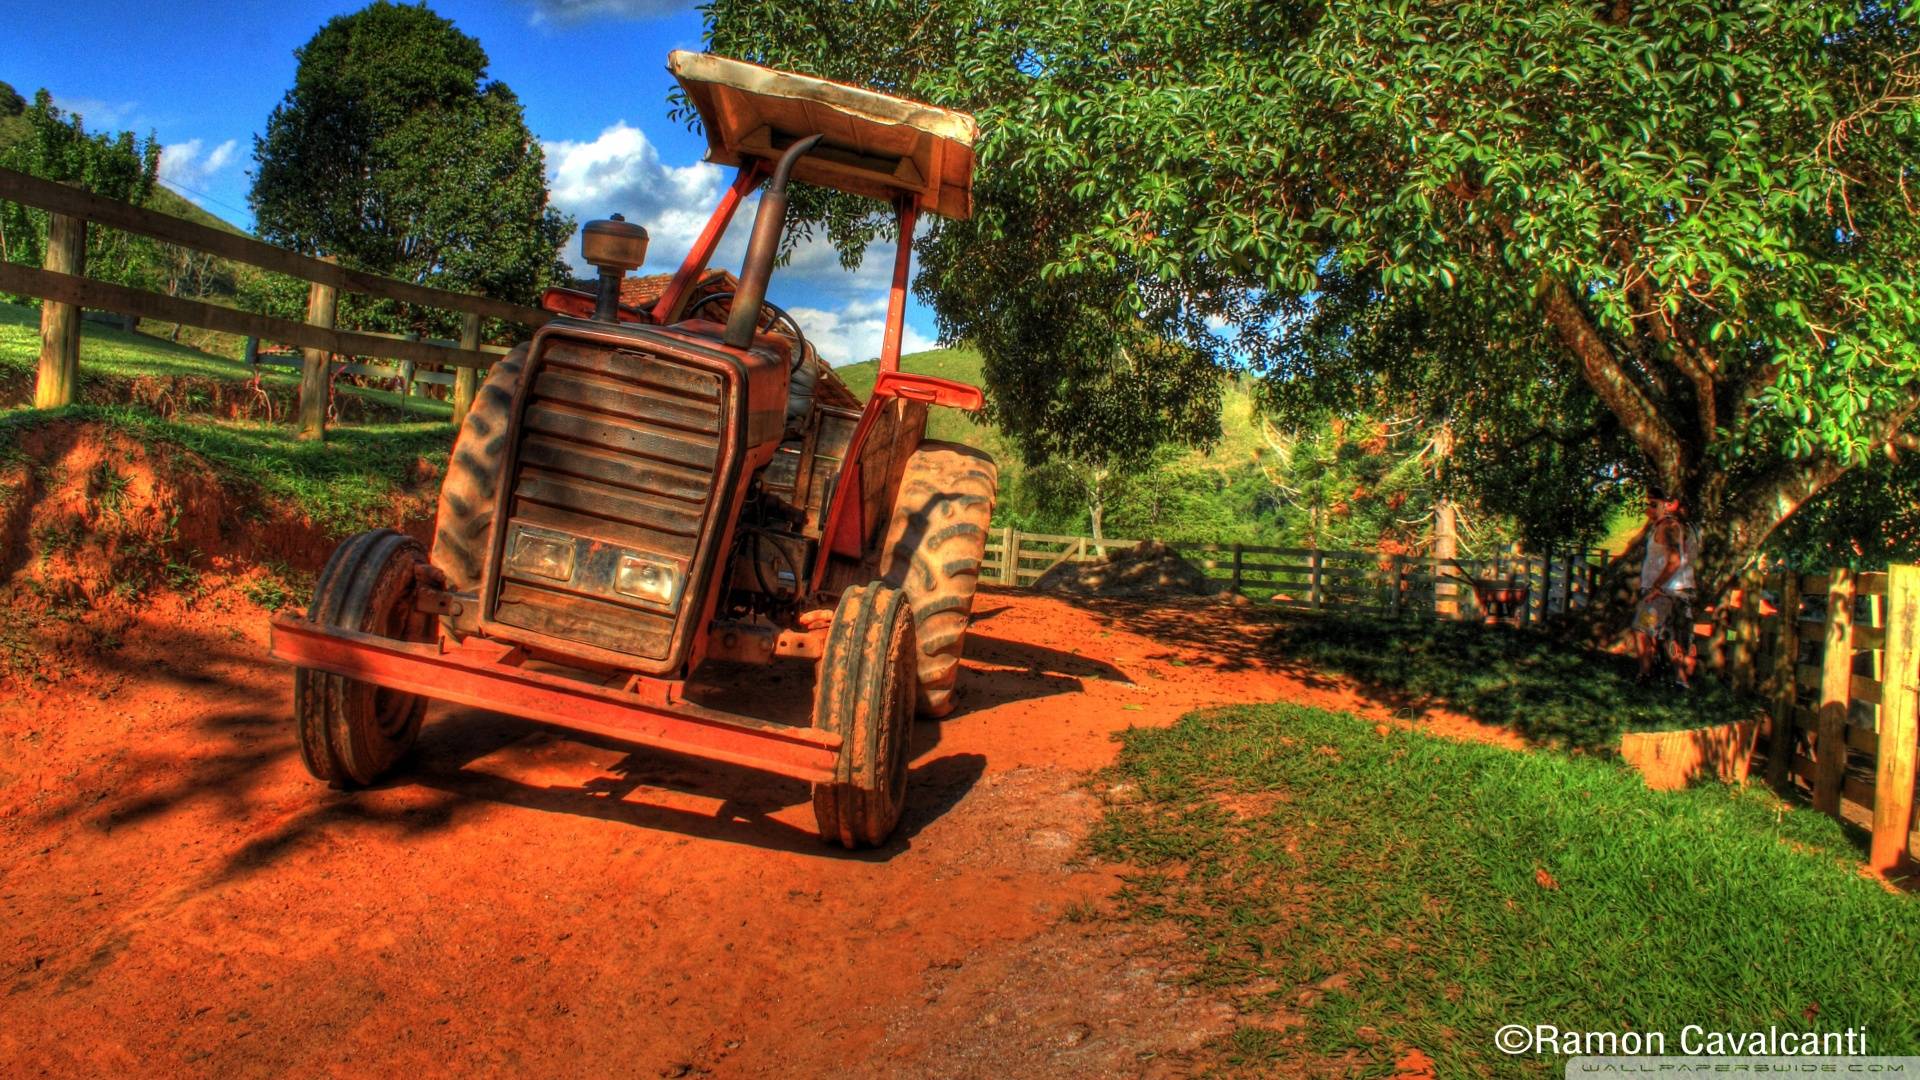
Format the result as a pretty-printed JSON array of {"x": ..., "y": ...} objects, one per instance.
[
  {"x": 1690, "y": 227},
  {"x": 57, "y": 146},
  {"x": 394, "y": 152},
  {"x": 1114, "y": 396}
]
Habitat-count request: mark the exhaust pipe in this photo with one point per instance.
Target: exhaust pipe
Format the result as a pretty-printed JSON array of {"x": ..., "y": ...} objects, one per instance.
[{"x": 768, "y": 224}]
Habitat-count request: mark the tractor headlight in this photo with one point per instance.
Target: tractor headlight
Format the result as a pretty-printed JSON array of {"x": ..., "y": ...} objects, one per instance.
[
  {"x": 645, "y": 578},
  {"x": 542, "y": 554}
]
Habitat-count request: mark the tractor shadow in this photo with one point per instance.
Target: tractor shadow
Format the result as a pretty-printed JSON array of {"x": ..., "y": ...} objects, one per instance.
[
  {"x": 478, "y": 756},
  {"x": 1001, "y": 671}
]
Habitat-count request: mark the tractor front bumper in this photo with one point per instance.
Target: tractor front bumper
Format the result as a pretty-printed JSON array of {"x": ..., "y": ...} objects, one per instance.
[{"x": 487, "y": 676}]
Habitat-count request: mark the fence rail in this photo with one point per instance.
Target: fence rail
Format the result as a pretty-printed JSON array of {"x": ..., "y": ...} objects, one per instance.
[
  {"x": 1836, "y": 655},
  {"x": 409, "y": 373},
  {"x": 1363, "y": 582},
  {"x": 61, "y": 283}
]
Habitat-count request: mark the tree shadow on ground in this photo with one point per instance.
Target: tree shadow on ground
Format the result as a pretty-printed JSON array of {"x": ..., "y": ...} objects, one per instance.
[
  {"x": 1549, "y": 691},
  {"x": 1546, "y": 690},
  {"x": 236, "y": 762}
]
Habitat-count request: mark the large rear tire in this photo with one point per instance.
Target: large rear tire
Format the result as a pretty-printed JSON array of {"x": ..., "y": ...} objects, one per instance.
[
  {"x": 350, "y": 731},
  {"x": 865, "y": 695},
  {"x": 464, "y": 525},
  {"x": 935, "y": 544}
]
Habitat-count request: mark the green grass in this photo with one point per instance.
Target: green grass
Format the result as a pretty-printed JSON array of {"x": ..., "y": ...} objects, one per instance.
[
  {"x": 344, "y": 484},
  {"x": 1548, "y": 690},
  {"x": 107, "y": 353},
  {"x": 1453, "y": 888}
]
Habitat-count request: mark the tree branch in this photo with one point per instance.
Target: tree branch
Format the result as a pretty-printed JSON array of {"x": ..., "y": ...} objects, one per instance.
[
  {"x": 1649, "y": 430},
  {"x": 1774, "y": 499}
]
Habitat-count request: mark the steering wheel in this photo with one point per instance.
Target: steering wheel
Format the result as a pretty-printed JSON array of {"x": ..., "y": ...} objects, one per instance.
[{"x": 781, "y": 322}]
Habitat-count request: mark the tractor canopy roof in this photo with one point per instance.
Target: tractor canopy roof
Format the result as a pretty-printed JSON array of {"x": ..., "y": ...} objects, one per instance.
[{"x": 875, "y": 144}]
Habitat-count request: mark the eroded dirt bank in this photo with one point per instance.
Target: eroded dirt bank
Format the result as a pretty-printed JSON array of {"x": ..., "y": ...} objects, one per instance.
[{"x": 180, "y": 898}]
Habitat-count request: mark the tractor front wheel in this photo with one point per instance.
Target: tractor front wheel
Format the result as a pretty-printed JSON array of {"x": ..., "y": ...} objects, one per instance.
[
  {"x": 865, "y": 695},
  {"x": 464, "y": 525},
  {"x": 351, "y": 731}
]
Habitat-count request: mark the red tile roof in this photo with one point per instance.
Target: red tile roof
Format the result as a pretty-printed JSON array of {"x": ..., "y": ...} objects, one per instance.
[{"x": 644, "y": 292}]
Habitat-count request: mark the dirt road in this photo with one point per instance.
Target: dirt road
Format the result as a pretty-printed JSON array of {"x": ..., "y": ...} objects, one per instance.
[{"x": 180, "y": 898}]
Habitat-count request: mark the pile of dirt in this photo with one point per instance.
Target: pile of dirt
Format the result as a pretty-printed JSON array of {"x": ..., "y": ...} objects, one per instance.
[
  {"x": 86, "y": 511},
  {"x": 1149, "y": 568},
  {"x": 84, "y": 506},
  {"x": 96, "y": 524}
]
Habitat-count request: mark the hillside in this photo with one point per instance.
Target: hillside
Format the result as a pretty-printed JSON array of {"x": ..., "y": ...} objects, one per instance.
[{"x": 14, "y": 127}]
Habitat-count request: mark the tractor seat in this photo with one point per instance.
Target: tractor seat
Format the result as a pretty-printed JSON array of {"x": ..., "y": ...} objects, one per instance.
[{"x": 800, "y": 389}]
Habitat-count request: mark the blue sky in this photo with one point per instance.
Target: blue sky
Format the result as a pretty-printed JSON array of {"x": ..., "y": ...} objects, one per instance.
[{"x": 591, "y": 73}]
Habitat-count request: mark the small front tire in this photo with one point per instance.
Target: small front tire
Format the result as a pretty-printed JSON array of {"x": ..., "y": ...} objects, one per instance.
[
  {"x": 350, "y": 731},
  {"x": 865, "y": 694}
]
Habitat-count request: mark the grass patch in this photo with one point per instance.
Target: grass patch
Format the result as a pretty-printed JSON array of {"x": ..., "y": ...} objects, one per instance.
[
  {"x": 112, "y": 354},
  {"x": 1550, "y": 691},
  {"x": 343, "y": 484},
  {"x": 1440, "y": 890}
]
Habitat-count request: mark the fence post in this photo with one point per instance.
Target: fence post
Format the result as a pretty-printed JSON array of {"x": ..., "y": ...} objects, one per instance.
[
  {"x": 466, "y": 380},
  {"x": 1313, "y": 589},
  {"x": 59, "y": 375},
  {"x": 1237, "y": 546},
  {"x": 1899, "y": 700},
  {"x": 1836, "y": 694},
  {"x": 1786, "y": 682},
  {"x": 323, "y": 303},
  {"x": 1399, "y": 584},
  {"x": 1526, "y": 582},
  {"x": 252, "y": 356},
  {"x": 1010, "y": 569}
]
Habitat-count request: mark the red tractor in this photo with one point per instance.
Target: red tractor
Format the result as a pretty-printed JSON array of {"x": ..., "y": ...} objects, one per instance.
[{"x": 637, "y": 492}]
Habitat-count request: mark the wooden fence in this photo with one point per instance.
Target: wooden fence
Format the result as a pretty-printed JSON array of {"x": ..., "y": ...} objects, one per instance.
[
  {"x": 406, "y": 373},
  {"x": 61, "y": 283},
  {"x": 1361, "y": 582},
  {"x": 1838, "y": 655}
]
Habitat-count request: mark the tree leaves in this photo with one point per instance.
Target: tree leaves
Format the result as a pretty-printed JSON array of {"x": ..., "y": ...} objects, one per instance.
[
  {"x": 394, "y": 152},
  {"x": 1726, "y": 192}
]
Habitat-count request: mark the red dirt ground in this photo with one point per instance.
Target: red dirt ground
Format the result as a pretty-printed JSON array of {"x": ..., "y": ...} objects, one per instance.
[{"x": 180, "y": 898}]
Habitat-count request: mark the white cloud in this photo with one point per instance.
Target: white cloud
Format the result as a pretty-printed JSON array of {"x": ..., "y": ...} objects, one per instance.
[
  {"x": 578, "y": 11},
  {"x": 191, "y": 165},
  {"x": 98, "y": 115},
  {"x": 853, "y": 333},
  {"x": 621, "y": 171}
]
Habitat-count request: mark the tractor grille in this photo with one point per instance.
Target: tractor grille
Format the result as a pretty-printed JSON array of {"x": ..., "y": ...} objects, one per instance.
[{"x": 617, "y": 455}]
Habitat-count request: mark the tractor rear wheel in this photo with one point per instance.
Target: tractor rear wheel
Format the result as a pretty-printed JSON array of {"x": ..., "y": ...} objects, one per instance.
[
  {"x": 464, "y": 524},
  {"x": 865, "y": 695},
  {"x": 935, "y": 543},
  {"x": 351, "y": 731}
]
